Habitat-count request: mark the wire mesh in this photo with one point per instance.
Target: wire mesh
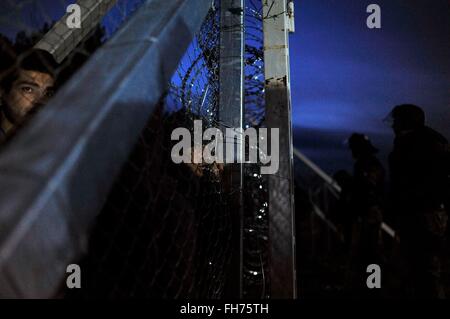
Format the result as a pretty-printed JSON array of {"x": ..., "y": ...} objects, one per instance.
[{"x": 166, "y": 229}]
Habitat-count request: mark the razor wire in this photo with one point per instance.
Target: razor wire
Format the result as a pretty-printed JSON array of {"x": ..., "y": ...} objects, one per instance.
[
  {"x": 200, "y": 97},
  {"x": 196, "y": 88}
]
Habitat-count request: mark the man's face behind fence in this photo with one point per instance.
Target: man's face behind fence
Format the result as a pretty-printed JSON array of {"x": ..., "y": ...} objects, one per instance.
[{"x": 30, "y": 89}]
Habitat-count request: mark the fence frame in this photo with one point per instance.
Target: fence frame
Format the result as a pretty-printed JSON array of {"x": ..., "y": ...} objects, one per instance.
[{"x": 53, "y": 174}]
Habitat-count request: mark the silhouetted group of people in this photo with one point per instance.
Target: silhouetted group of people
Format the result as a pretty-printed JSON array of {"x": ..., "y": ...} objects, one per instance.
[{"x": 416, "y": 203}]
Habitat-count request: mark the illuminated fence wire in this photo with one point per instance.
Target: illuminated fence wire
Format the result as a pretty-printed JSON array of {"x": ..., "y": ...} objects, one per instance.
[
  {"x": 254, "y": 64},
  {"x": 195, "y": 85},
  {"x": 256, "y": 283}
]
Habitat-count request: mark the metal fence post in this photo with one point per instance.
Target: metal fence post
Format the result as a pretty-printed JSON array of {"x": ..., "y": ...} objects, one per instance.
[
  {"x": 231, "y": 115},
  {"x": 277, "y": 23}
]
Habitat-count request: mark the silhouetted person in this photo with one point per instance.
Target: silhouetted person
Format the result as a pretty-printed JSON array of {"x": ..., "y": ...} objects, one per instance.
[
  {"x": 419, "y": 188},
  {"x": 366, "y": 206}
]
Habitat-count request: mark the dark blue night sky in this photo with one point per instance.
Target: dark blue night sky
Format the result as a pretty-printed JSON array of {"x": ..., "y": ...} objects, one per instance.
[{"x": 346, "y": 77}]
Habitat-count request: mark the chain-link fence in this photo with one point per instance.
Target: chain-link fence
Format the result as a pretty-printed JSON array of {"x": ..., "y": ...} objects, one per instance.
[{"x": 165, "y": 230}]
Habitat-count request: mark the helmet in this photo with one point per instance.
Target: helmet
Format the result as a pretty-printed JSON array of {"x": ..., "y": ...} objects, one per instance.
[{"x": 406, "y": 117}]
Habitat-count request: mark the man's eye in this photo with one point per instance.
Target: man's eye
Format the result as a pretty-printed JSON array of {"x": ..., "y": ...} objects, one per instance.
[
  {"x": 49, "y": 94},
  {"x": 27, "y": 89}
]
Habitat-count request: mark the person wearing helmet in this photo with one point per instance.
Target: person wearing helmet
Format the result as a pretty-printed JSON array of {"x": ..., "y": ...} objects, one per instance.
[
  {"x": 419, "y": 174},
  {"x": 366, "y": 208}
]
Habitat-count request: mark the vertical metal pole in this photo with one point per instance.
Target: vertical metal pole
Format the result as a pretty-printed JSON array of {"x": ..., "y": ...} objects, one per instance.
[
  {"x": 231, "y": 115},
  {"x": 278, "y": 22}
]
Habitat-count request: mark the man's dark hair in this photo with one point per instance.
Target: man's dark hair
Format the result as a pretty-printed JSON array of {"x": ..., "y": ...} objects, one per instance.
[{"x": 32, "y": 60}]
